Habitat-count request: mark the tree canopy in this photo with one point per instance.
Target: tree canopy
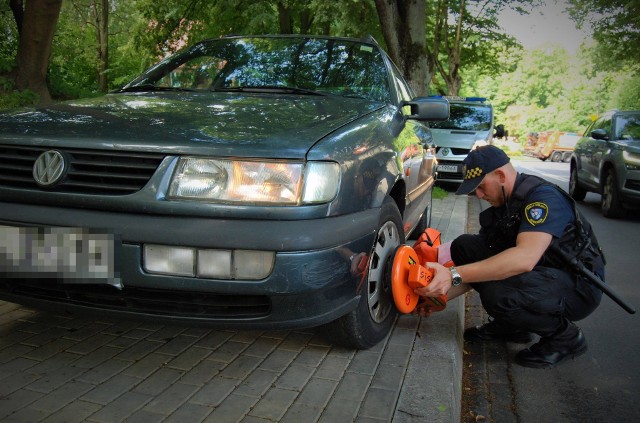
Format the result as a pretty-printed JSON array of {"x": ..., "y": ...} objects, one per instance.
[{"x": 616, "y": 28}]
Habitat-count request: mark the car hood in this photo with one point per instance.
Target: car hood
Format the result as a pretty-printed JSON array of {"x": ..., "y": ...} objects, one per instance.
[
  {"x": 220, "y": 124},
  {"x": 632, "y": 146},
  {"x": 455, "y": 138}
]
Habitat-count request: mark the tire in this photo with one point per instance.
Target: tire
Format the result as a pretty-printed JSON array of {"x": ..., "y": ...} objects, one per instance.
[
  {"x": 610, "y": 203},
  {"x": 575, "y": 190},
  {"x": 556, "y": 157},
  {"x": 372, "y": 319}
]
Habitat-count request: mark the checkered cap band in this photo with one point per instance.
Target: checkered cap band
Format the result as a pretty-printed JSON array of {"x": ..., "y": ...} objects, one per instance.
[{"x": 473, "y": 173}]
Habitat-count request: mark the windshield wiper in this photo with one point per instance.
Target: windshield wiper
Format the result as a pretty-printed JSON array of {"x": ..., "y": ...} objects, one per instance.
[
  {"x": 150, "y": 88},
  {"x": 268, "y": 89}
]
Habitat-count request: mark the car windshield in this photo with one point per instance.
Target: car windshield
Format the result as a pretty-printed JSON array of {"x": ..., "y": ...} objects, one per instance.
[
  {"x": 466, "y": 117},
  {"x": 297, "y": 65},
  {"x": 628, "y": 127}
]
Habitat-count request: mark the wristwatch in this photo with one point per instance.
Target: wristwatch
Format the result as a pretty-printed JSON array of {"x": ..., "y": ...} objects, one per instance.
[{"x": 456, "y": 279}]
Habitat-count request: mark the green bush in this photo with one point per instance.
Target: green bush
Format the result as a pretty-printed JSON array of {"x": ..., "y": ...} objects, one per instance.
[{"x": 10, "y": 99}]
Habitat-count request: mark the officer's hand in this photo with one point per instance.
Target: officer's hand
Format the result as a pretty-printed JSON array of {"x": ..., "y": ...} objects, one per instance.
[{"x": 440, "y": 284}]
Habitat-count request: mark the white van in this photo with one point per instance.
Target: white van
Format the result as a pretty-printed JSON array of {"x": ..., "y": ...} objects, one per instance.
[{"x": 470, "y": 125}]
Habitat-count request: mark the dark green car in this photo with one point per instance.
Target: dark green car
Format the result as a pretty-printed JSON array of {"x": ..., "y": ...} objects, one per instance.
[
  {"x": 253, "y": 182},
  {"x": 606, "y": 160}
]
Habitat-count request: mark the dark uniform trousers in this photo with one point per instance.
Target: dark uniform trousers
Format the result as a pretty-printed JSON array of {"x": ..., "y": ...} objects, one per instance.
[{"x": 543, "y": 301}]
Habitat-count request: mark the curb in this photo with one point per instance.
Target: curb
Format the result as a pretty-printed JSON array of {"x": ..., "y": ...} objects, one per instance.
[{"x": 432, "y": 387}]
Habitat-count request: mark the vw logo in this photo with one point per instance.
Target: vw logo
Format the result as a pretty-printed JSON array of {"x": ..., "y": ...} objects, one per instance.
[
  {"x": 446, "y": 151},
  {"x": 49, "y": 168}
]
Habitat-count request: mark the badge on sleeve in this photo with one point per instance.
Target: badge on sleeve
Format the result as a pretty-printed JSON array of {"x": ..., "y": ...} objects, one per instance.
[{"x": 536, "y": 213}]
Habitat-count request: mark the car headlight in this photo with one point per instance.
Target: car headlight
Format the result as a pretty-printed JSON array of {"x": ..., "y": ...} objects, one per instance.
[
  {"x": 252, "y": 182},
  {"x": 631, "y": 160}
]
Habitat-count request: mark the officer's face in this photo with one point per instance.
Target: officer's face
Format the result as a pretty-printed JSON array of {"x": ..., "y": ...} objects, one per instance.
[{"x": 490, "y": 190}]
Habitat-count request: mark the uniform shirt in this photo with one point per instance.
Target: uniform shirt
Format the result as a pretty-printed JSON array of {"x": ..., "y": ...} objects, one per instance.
[{"x": 546, "y": 210}]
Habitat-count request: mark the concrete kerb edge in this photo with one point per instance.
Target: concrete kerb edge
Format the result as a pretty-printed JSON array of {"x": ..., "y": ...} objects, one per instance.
[{"x": 432, "y": 389}]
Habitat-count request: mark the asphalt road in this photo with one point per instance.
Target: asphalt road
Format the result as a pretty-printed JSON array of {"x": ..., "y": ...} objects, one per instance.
[{"x": 604, "y": 384}]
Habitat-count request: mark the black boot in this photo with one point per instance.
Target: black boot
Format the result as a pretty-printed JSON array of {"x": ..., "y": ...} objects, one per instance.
[
  {"x": 497, "y": 330},
  {"x": 552, "y": 350}
]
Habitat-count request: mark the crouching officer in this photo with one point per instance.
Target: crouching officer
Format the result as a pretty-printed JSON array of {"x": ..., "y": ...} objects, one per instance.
[{"x": 524, "y": 287}]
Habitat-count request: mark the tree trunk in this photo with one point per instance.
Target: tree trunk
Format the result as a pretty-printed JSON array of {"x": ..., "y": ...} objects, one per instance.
[
  {"x": 101, "y": 22},
  {"x": 451, "y": 74},
  {"x": 403, "y": 28},
  {"x": 454, "y": 82},
  {"x": 34, "y": 50},
  {"x": 284, "y": 18}
]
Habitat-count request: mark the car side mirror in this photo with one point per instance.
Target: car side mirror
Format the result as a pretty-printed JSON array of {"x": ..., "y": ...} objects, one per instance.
[
  {"x": 600, "y": 134},
  {"x": 499, "y": 132},
  {"x": 430, "y": 109}
]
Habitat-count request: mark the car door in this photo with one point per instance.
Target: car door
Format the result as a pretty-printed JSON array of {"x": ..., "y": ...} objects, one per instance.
[
  {"x": 591, "y": 152},
  {"x": 599, "y": 149}
]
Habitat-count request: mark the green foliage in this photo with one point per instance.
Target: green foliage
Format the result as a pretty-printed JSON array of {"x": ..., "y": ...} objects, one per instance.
[
  {"x": 484, "y": 49},
  {"x": 616, "y": 29},
  {"x": 10, "y": 98},
  {"x": 72, "y": 68},
  {"x": 8, "y": 39},
  {"x": 627, "y": 94},
  {"x": 551, "y": 90}
]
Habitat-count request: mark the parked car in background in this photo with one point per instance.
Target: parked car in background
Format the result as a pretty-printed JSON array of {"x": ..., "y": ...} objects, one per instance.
[
  {"x": 470, "y": 125},
  {"x": 250, "y": 182},
  {"x": 606, "y": 160}
]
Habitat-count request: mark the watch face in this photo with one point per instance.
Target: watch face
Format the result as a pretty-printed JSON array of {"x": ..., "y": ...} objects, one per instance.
[{"x": 455, "y": 277}]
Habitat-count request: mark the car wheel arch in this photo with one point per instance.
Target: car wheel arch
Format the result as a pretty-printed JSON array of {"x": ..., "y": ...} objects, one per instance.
[
  {"x": 576, "y": 190},
  {"x": 610, "y": 203},
  {"x": 605, "y": 168},
  {"x": 398, "y": 194}
]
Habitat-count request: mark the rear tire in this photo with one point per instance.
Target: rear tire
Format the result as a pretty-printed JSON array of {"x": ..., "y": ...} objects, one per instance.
[
  {"x": 575, "y": 190},
  {"x": 610, "y": 202},
  {"x": 556, "y": 157},
  {"x": 372, "y": 319}
]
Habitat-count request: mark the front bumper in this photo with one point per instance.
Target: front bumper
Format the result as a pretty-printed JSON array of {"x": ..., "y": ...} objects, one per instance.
[
  {"x": 630, "y": 191},
  {"x": 312, "y": 281}
]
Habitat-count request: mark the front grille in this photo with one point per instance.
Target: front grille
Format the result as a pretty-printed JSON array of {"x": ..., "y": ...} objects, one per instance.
[
  {"x": 631, "y": 184},
  {"x": 138, "y": 300},
  {"x": 455, "y": 151},
  {"x": 96, "y": 172}
]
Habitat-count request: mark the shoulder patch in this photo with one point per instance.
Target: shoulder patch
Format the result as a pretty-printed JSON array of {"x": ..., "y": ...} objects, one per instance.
[{"x": 536, "y": 213}]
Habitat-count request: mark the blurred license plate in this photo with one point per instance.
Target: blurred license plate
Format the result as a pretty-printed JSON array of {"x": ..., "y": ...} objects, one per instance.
[
  {"x": 74, "y": 254},
  {"x": 448, "y": 168}
]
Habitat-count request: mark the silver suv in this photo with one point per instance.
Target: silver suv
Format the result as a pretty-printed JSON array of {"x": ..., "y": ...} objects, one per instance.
[{"x": 606, "y": 160}]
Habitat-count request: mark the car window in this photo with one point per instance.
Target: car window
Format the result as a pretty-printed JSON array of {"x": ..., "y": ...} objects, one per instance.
[
  {"x": 627, "y": 127},
  {"x": 467, "y": 117},
  {"x": 602, "y": 123},
  {"x": 328, "y": 66},
  {"x": 590, "y": 127}
]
